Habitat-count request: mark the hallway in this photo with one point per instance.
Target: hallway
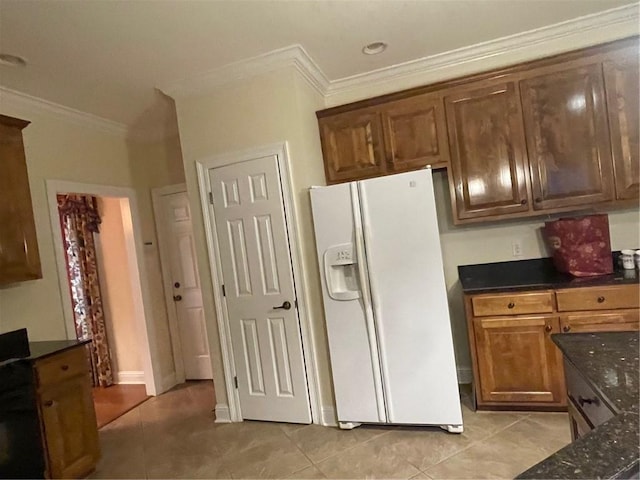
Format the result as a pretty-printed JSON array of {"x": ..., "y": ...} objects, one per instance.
[{"x": 174, "y": 436}]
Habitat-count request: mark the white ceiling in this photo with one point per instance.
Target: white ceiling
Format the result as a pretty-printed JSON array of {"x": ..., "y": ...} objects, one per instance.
[{"x": 105, "y": 57}]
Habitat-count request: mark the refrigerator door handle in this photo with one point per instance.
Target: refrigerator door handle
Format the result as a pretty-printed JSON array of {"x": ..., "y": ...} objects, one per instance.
[
  {"x": 375, "y": 304},
  {"x": 366, "y": 300}
]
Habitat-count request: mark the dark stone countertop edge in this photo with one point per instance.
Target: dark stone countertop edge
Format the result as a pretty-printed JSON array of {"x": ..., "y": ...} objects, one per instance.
[
  {"x": 534, "y": 274},
  {"x": 617, "y": 439},
  {"x": 40, "y": 350}
]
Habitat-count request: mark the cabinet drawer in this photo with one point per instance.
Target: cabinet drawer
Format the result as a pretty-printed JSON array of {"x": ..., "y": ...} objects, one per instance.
[
  {"x": 615, "y": 321},
  {"x": 62, "y": 366},
  {"x": 584, "y": 398},
  {"x": 512, "y": 304},
  {"x": 598, "y": 298}
]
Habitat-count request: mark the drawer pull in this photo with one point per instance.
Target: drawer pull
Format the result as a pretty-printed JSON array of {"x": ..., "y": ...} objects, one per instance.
[
  {"x": 65, "y": 367},
  {"x": 511, "y": 305},
  {"x": 600, "y": 299},
  {"x": 566, "y": 328},
  {"x": 588, "y": 401},
  {"x": 548, "y": 328},
  {"x": 48, "y": 403}
]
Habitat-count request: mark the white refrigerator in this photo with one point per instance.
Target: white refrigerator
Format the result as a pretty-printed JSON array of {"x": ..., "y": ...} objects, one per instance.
[{"x": 385, "y": 302}]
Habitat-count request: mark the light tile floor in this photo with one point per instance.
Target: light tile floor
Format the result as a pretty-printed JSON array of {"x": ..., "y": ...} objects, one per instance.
[{"x": 174, "y": 436}]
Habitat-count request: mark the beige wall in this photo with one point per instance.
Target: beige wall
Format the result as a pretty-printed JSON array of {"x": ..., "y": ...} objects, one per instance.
[
  {"x": 61, "y": 149},
  {"x": 156, "y": 164},
  {"x": 115, "y": 282},
  {"x": 272, "y": 108},
  {"x": 280, "y": 106}
]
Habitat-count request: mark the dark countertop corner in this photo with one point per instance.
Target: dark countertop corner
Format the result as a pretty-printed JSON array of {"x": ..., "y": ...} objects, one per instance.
[
  {"x": 610, "y": 362},
  {"x": 41, "y": 350}
]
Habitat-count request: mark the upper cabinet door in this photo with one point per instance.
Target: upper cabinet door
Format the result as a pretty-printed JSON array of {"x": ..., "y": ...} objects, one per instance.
[
  {"x": 352, "y": 145},
  {"x": 487, "y": 171},
  {"x": 622, "y": 84},
  {"x": 415, "y": 133},
  {"x": 567, "y": 136}
]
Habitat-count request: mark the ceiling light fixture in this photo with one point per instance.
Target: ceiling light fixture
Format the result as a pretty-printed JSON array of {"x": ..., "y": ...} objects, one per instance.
[
  {"x": 374, "y": 48},
  {"x": 12, "y": 60}
]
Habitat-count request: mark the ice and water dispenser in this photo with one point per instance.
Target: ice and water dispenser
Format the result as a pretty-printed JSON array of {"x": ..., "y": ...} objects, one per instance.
[{"x": 341, "y": 272}]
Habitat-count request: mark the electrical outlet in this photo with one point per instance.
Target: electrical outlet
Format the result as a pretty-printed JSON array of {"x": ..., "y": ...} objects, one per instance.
[{"x": 516, "y": 248}]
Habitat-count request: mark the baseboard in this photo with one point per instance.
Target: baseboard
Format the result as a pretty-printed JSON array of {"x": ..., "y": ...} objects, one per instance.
[
  {"x": 129, "y": 377},
  {"x": 464, "y": 375},
  {"x": 329, "y": 418},
  {"x": 168, "y": 382},
  {"x": 223, "y": 415}
]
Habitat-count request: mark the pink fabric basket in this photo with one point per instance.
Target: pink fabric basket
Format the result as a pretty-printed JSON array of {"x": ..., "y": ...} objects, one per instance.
[{"x": 581, "y": 246}]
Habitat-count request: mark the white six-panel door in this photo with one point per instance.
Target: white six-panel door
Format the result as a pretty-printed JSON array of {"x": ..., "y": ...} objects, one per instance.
[
  {"x": 185, "y": 286},
  {"x": 258, "y": 280}
]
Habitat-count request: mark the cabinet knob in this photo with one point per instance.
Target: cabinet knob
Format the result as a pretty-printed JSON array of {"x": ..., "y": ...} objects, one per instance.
[
  {"x": 511, "y": 305},
  {"x": 537, "y": 200},
  {"x": 64, "y": 367},
  {"x": 176, "y": 285},
  {"x": 566, "y": 328},
  {"x": 523, "y": 201},
  {"x": 548, "y": 328},
  {"x": 177, "y": 298},
  {"x": 600, "y": 299},
  {"x": 48, "y": 403}
]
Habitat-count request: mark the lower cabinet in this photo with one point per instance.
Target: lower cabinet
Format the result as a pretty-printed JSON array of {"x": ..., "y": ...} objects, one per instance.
[
  {"x": 515, "y": 363},
  {"x": 67, "y": 414}
]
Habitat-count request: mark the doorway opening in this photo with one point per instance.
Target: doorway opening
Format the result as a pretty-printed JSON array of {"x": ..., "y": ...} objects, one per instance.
[{"x": 117, "y": 281}]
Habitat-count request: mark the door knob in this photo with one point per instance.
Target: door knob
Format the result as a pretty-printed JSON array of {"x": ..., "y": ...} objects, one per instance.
[
  {"x": 177, "y": 298},
  {"x": 284, "y": 306}
]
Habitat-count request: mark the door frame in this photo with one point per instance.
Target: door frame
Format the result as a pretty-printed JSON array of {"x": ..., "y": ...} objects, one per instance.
[
  {"x": 165, "y": 262},
  {"x": 136, "y": 266},
  {"x": 281, "y": 151}
]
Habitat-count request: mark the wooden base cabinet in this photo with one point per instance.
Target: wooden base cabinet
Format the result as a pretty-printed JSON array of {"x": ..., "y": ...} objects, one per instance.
[
  {"x": 515, "y": 363},
  {"x": 67, "y": 414}
]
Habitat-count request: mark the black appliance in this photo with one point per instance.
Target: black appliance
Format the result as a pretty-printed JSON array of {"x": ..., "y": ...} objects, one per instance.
[{"x": 21, "y": 452}]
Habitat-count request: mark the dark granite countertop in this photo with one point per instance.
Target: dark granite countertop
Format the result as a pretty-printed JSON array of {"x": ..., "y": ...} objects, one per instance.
[
  {"x": 44, "y": 349},
  {"x": 538, "y": 273},
  {"x": 610, "y": 363}
]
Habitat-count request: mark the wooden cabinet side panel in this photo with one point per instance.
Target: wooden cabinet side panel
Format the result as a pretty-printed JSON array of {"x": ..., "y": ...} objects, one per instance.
[
  {"x": 567, "y": 136},
  {"x": 19, "y": 256},
  {"x": 488, "y": 176},
  {"x": 622, "y": 84},
  {"x": 69, "y": 424}
]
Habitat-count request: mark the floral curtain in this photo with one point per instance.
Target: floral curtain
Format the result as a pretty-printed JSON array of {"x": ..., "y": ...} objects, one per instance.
[{"x": 79, "y": 219}]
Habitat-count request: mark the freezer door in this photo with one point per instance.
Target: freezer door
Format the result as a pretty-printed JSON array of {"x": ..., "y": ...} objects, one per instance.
[
  {"x": 352, "y": 360},
  {"x": 409, "y": 299}
]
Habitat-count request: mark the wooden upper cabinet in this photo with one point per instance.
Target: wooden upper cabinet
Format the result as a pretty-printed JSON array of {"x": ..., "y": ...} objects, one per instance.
[
  {"x": 622, "y": 84},
  {"x": 567, "y": 136},
  {"x": 19, "y": 258},
  {"x": 487, "y": 166},
  {"x": 415, "y": 133},
  {"x": 352, "y": 145}
]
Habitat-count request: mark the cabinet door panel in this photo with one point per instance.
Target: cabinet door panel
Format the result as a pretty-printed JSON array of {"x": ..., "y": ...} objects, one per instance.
[
  {"x": 567, "y": 137},
  {"x": 517, "y": 360},
  {"x": 415, "y": 133},
  {"x": 622, "y": 84},
  {"x": 352, "y": 144},
  {"x": 487, "y": 151}
]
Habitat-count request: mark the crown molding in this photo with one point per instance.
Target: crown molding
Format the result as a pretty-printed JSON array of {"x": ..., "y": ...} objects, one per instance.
[
  {"x": 8, "y": 95},
  {"x": 579, "y": 32},
  {"x": 291, "y": 56}
]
